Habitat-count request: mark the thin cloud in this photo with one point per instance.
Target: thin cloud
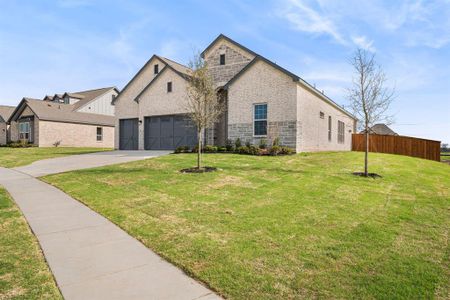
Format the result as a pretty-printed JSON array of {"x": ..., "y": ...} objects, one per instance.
[
  {"x": 363, "y": 43},
  {"x": 306, "y": 19}
]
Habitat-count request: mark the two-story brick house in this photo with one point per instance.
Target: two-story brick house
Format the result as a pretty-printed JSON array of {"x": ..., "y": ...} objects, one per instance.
[{"x": 263, "y": 100}]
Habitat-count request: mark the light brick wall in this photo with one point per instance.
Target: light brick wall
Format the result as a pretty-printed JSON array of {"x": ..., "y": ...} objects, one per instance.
[
  {"x": 3, "y": 133},
  {"x": 125, "y": 106},
  {"x": 156, "y": 101},
  {"x": 74, "y": 135},
  {"x": 263, "y": 83},
  {"x": 314, "y": 133},
  {"x": 235, "y": 59}
]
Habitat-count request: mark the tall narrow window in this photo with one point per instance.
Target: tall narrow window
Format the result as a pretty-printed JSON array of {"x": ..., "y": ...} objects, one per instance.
[
  {"x": 25, "y": 131},
  {"x": 169, "y": 86},
  {"x": 341, "y": 132},
  {"x": 156, "y": 69},
  {"x": 222, "y": 59},
  {"x": 99, "y": 134},
  {"x": 260, "y": 120},
  {"x": 329, "y": 128}
]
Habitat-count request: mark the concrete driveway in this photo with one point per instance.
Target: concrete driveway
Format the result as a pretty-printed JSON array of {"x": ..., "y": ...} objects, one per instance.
[{"x": 85, "y": 161}]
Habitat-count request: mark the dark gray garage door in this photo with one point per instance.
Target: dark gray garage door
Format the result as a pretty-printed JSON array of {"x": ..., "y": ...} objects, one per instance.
[
  {"x": 169, "y": 132},
  {"x": 128, "y": 134}
]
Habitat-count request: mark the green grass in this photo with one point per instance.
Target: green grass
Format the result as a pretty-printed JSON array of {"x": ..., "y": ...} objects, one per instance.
[
  {"x": 445, "y": 157},
  {"x": 286, "y": 227},
  {"x": 15, "y": 157},
  {"x": 24, "y": 273}
]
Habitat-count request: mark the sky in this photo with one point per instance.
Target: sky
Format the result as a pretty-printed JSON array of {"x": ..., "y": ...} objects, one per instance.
[{"x": 49, "y": 47}]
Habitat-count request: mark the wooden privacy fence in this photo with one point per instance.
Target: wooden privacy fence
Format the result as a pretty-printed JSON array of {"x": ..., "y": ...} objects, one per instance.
[{"x": 397, "y": 144}]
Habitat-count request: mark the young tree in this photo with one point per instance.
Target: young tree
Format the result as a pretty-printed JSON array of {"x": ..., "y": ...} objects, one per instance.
[
  {"x": 203, "y": 103},
  {"x": 369, "y": 96}
]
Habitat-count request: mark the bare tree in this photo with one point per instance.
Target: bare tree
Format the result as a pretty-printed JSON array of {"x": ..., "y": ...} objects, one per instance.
[
  {"x": 369, "y": 97},
  {"x": 203, "y": 103}
]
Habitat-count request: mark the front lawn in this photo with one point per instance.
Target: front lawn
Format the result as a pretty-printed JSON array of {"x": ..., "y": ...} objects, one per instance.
[
  {"x": 286, "y": 227},
  {"x": 24, "y": 273},
  {"x": 445, "y": 157},
  {"x": 15, "y": 157}
]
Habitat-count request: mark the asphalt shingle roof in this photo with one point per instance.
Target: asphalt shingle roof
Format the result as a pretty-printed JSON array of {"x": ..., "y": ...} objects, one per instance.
[
  {"x": 6, "y": 112},
  {"x": 49, "y": 111}
]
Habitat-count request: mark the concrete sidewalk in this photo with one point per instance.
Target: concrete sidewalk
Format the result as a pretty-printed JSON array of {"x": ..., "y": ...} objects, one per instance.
[
  {"x": 85, "y": 161},
  {"x": 90, "y": 257}
]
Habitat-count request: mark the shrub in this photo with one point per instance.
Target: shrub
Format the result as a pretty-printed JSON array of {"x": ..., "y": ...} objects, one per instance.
[
  {"x": 275, "y": 150},
  {"x": 287, "y": 150},
  {"x": 182, "y": 149},
  {"x": 229, "y": 145},
  {"x": 57, "y": 143},
  {"x": 262, "y": 144},
  {"x": 222, "y": 149},
  {"x": 276, "y": 141},
  {"x": 253, "y": 150},
  {"x": 210, "y": 149},
  {"x": 238, "y": 143},
  {"x": 20, "y": 144},
  {"x": 194, "y": 149},
  {"x": 242, "y": 150},
  {"x": 248, "y": 144}
]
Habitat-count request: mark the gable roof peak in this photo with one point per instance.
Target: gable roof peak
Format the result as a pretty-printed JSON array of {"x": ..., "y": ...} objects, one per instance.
[{"x": 223, "y": 36}]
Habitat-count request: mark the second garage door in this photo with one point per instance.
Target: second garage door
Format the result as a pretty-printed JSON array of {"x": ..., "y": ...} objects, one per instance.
[{"x": 169, "y": 132}]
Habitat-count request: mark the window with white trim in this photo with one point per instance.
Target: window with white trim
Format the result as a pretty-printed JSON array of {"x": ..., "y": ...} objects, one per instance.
[
  {"x": 25, "y": 131},
  {"x": 99, "y": 134},
  {"x": 260, "y": 119},
  {"x": 341, "y": 132}
]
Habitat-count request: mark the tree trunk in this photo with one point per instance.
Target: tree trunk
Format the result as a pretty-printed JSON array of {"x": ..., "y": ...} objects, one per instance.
[
  {"x": 366, "y": 154},
  {"x": 199, "y": 153}
]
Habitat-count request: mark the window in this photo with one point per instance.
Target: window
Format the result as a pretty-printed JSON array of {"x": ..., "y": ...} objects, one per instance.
[
  {"x": 322, "y": 115},
  {"x": 156, "y": 69},
  {"x": 222, "y": 59},
  {"x": 25, "y": 131},
  {"x": 99, "y": 134},
  {"x": 341, "y": 132},
  {"x": 260, "y": 120},
  {"x": 329, "y": 128},
  {"x": 169, "y": 86}
]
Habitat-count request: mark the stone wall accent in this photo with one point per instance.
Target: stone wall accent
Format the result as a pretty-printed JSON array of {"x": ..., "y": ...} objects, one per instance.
[
  {"x": 286, "y": 131},
  {"x": 235, "y": 60}
]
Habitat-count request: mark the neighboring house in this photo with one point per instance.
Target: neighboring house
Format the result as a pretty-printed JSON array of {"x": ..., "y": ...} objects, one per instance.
[
  {"x": 5, "y": 113},
  {"x": 263, "y": 100},
  {"x": 381, "y": 129},
  {"x": 80, "y": 119}
]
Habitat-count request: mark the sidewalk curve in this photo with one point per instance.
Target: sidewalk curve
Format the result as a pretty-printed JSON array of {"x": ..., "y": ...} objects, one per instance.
[{"x": 90, "y": 257}]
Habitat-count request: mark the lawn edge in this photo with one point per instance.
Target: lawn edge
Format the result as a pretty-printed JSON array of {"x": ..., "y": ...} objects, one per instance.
[
  {"x": 41, "y": 251},
  {"x": 164, "y": 257}
]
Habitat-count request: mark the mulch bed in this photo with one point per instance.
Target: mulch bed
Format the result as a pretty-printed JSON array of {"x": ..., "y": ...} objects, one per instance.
[
  {"x": 197, "y": 170},
  {"x": 373, "y": 175}
]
